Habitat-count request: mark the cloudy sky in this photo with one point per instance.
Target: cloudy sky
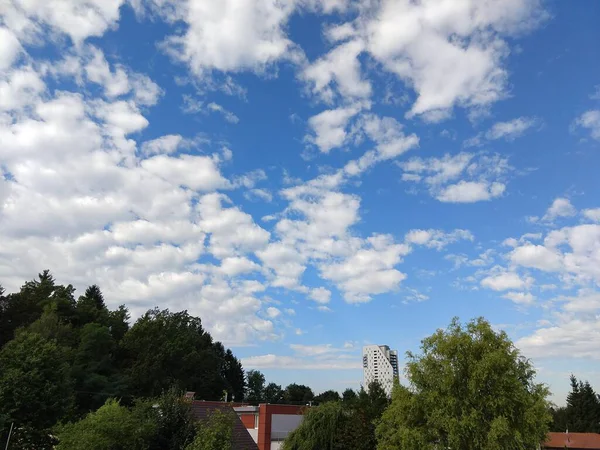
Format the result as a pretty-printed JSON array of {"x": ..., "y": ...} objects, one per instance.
[{"x": 310, "y": 176}]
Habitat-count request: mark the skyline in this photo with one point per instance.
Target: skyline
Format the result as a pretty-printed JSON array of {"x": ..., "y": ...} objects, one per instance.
[{"x": 312, "y": 176}]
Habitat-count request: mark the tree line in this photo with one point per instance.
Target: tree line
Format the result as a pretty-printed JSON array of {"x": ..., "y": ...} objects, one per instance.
[{"x": 62, "y": 358}]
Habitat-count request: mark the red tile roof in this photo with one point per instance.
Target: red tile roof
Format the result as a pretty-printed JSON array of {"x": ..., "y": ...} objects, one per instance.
[
  {"x": 580, "y": 441},
  {"x": 241, "y": 438}
]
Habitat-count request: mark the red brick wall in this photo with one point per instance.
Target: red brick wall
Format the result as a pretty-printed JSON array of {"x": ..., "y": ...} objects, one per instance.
[{"x": 247, "y": 419}]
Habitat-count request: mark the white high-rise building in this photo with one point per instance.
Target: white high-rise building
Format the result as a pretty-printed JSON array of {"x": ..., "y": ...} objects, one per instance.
[{"x": 381, "y": 364}]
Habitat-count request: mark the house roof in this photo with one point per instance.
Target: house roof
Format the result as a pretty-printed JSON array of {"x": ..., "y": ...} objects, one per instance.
[
  {"x": 573, "y": 440},
  {"x": 240, "y": 436}
]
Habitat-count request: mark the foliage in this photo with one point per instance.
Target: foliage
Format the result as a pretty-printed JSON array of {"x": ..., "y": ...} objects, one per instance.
[
  {"x": 35, "y": 387},
  {"x": 112, "y": 427},
  {"x": 319, "y": 429},
  {"x": 255, "y": 387},
  {"x": 349, "y": 396},
  {"x": 469, "y": 389},
  {"x": 327, "y": 396},
  {"x": 296, "y": 394},
  {"x": 582, "y": 413},
  {"x": 273, "y": 393},
  {"x": 165, "y": 349},
  {"x": 337, "y": 425},
  {"x": 215, "y": 432},
  {"x": 61, "y": 359},
  {"x": 172, "y": 414}
]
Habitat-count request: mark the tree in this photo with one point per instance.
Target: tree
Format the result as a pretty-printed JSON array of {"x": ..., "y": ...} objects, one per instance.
[
  {"x": 112, "y": 427},
  {"x": 96, "y": 376},
  {"x": 469, "y": 389},
  {"x": 298, "y": 394},
  {"x": 582, "y": 413},
  {"x": 273, "y": 393},
  {"x": 35, "y": 387},
  {"x": 165, "y": 349},
  {"x": 215, "y": 432},
  {"x": 319, "y": 429},
  {"x": 171, "y": 413},
  {"x": 349, "y": 396},
  {"x": 90, "y": 307},
  {"x": 327, "y": 396},
  {"x": 255, "y": 387},
  {"x": 332, "y": 426}
]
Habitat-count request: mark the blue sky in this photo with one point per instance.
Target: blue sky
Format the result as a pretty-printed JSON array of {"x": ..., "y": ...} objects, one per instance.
[{"x": 309, "y": 176}]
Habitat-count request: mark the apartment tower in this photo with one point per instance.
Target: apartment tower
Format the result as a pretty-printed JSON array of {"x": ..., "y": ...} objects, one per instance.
[{"x": 381, "y": 364}]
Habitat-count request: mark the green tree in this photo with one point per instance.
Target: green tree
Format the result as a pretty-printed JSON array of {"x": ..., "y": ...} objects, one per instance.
[
  {"x": 112, "y": 427},
  {"x": 273, "y": 393},
  {"x": 320, "y": 428},
  {"x": 469, "y": 389},
  {"x": 35, "y": 388},
  {"x": 215, "y": 432},
  {"x": 165, "y": 349},
  {"x": 171, "y": 413},
  {"x": 94, "y": 371},
  {"x": 349, "y": 396},
  {"x": 582, "y": 413},
  {"x": 90, "y": 307},
  {"x": 255, "y": 387},
  {"x": 327, "y": 396},
  {"x": 298, "y": 394}
]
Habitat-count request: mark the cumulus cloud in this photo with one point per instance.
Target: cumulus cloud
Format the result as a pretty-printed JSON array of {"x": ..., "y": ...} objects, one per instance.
[
  {"x": 329, "y": 127},
  {"x": 229, "y": 36},
  {"x": 590, "y": 121},
  {"x": 501, "y": 280},
  {"x": 462, "y": 178}
]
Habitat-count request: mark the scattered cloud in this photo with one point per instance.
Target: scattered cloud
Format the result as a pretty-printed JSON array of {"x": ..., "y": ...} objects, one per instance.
[
  {"x": 508, "y": 131},
  {"x": 590, "y": 121},
  {"x": 227, "y": 115},
  {"x": 483, "y": 176}
]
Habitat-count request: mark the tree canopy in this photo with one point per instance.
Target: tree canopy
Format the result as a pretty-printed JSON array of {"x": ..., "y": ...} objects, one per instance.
[
  {"x": 61, "y": 359},
  {"x": 470, "y": 388}
]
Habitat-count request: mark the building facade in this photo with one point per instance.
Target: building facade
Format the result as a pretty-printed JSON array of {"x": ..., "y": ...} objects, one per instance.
[{"x": 380, "y": 364}]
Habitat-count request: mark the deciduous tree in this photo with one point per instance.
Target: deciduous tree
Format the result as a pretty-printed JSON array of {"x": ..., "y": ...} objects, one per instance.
[{"x": 470, "y": 388}]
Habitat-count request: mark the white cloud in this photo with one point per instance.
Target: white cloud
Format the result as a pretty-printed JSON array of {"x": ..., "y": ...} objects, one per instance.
[
  {"x": 9, "y": 48},
  {"x": 230, "y": 35},
  {"x": 482, "y": 176},
  {"x": 342, "y": 67},
  {"x": 536, "y": 257},
  {"x": 369, "y": 271},
  {"x": 592, "y": 214},
  {"x": 227, "y": 115},
  {"x": 437, "y": 238},
  {"x": 561, "y": 207},
  {"x": 79, "y": 19},
  {"x": 273, "y": 312},
  {"x": 199, "y": 173},
  {"x": 324, "y": 308},
  {"x": 163, "y": 145},
  {"x": 272, "y": 361},
  {"x": 258, "y": 194},
  {"x": 471, "y": 192},
  {"x": 512, "y": 129},
  {"x": 509, "y": 131},
  {"x": 329, "y": 127},
  {"x": 520, "y": 298},
  {"x": 320, "y": 295},
  {"x": 390, "y": 142},
  {"x": 590, "y": 120},
  {"x": 450, "y": 55},
  {"x": 503, "y": 281}
]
